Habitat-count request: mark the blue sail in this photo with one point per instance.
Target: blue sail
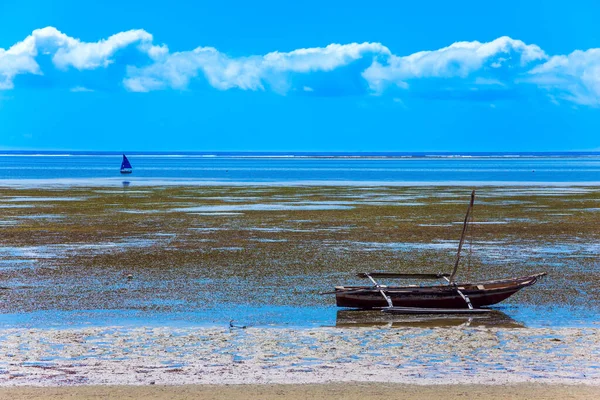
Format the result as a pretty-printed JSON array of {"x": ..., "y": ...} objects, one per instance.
[{"x": 125, "y": 166}]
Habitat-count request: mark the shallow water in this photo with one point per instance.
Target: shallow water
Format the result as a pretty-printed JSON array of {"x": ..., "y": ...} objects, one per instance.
[
  {"x": 297, "y": 317},
  {"x": 263, "y": 207},
  {"x": 33, "y": 170}
]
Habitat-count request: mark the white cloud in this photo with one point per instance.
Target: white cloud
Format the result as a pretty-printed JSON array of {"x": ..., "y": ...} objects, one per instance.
[
  {"x": 246, "y": 73},
  {"x": 488, "y": 81},
  {"x": 82, "y": 55},
  {"x": 69, "y": 52},
  {"x": 498, "y": 65},
  {"x": 13, "y": 62},
  {"x": 460, "y": 59},
  {"x": 175, "y": 71},
  {"x": 77, "y": 89},
  {"x": 574, "y": 77}
]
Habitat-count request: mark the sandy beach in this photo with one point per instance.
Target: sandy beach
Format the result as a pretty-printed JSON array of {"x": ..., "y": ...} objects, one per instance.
[{"x": 348, "y": 391}]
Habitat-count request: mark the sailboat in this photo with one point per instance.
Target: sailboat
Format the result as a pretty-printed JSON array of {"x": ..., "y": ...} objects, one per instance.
[
  {"x": 449, "y": 298},
  {"x": 126, "y": 166}
]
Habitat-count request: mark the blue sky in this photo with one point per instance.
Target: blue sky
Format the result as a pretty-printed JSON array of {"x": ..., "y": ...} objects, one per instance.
[{"x": 299, "y": 76}]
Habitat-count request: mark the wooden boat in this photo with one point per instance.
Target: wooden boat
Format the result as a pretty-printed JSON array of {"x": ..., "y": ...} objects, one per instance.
[
  {"x": 479, "y": 294},
  {"x": 126, "y": 166},
  {"x": 451, "y": 297}
]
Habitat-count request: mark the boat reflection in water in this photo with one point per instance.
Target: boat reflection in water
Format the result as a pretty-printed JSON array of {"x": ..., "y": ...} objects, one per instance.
[{"x": 375, "y": 318}]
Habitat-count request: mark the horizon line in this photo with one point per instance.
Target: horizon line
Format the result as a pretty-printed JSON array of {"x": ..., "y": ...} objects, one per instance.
[{"x": 324, "y": 154}]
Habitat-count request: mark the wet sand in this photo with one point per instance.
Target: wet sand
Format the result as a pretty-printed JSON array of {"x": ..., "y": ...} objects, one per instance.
[
  {"x": 347, "y": 391},
  {"x": 171, "y": 356}
]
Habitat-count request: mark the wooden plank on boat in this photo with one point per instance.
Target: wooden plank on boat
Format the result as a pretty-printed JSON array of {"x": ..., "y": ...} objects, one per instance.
[{"x": 421, "y": 310}]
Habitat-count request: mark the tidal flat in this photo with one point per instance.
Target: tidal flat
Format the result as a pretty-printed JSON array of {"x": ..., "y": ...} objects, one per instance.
[
  {"x": 178, "y": 356},
  {"x": 78, "y": 264}
]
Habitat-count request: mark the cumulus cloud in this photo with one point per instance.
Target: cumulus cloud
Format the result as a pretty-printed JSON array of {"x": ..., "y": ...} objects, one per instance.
[
  {"x": 246, "y": 73},
  {"x": 68, "y": 52},
  {"x": 458, "y": 60},
  {"x": 477, "y": 71},
  {"x": 574, "y": 77},
  {"x": 14, "y": 62}
]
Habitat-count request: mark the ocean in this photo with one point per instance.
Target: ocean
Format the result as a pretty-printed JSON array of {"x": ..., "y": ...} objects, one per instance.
[{"x": 359, "y": 169}]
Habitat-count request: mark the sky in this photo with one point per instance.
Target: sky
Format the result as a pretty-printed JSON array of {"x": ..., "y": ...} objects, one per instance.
[{"x": 307, "y": 75}]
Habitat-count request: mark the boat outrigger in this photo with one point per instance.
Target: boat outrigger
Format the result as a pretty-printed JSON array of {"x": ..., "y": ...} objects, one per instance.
[{"x": 448, "y": 298}]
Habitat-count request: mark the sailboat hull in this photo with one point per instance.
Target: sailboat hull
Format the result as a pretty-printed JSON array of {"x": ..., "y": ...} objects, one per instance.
[
  {"x": 126, "y": 171},
  {"x": 480, "y": 294}
]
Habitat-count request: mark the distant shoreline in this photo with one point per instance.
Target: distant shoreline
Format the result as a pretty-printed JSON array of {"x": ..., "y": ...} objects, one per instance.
[{"x": 319, "y": 155}]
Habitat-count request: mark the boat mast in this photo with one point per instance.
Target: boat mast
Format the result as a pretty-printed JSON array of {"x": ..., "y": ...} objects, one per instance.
[{"x": 462, "y": 238}]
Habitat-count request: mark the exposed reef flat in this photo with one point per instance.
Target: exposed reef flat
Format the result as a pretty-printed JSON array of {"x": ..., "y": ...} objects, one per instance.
[{"x": 282, "y": 245}]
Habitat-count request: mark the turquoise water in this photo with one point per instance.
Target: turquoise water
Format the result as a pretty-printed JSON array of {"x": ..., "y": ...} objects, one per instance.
[
  {"x": 56, "y": 169},
  {"x": 504, "y": 316}
]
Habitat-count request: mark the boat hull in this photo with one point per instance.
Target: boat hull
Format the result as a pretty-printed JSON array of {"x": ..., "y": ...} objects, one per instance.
[
  {"x": 480, "y": 294},
  {"x": 126, "y": 171}
]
